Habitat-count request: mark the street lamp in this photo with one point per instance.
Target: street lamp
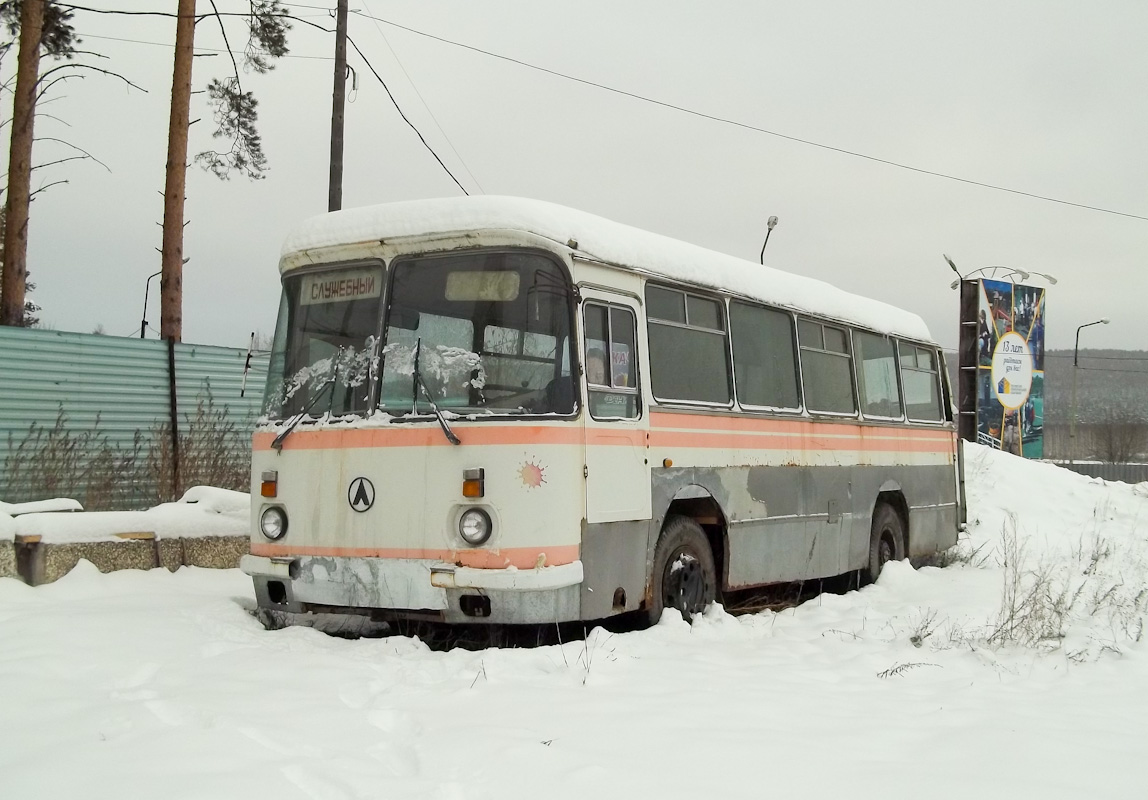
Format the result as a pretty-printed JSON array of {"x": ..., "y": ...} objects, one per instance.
[
  {"x": 1075, "y": 366},
  {"x": 770, "y": 224},
  {"x": 1024, "y": 274},
  {"x": 147, "y": 288}
]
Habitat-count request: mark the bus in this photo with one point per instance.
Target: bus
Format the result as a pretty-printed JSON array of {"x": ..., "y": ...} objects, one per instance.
[{"x": 503, "y": 411}]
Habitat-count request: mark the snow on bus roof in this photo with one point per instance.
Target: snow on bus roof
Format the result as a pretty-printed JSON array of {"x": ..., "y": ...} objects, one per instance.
[{"x": 608, "y": 241}]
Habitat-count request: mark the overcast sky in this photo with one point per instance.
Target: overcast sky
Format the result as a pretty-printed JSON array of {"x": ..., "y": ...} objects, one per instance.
[{"x": 1042, "y": 97}]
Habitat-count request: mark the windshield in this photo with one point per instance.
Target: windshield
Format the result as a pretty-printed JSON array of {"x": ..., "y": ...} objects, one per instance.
[
  {"x": 488, "y": 332},
  {"x": 325, "y": 350}
]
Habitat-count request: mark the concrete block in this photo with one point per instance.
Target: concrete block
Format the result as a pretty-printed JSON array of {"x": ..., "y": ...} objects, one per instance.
[
  {"x": 170, "y": 553},
  {"x": 8, "y": 560},
  {"x": 40, "y": 562},
  {"x": 215, "y": 552}
]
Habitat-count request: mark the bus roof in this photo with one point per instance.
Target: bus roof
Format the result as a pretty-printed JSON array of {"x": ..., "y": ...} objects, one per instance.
[{"x": 607, "y": 241}]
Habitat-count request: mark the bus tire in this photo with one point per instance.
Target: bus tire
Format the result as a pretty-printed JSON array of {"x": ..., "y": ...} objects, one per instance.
[
  {"x": 886, "y": 541},
  {"x": 683, "y": 575}
]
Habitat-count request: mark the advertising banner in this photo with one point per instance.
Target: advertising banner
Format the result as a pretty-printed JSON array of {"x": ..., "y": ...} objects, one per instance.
[{"x": 1009, "y": 359}]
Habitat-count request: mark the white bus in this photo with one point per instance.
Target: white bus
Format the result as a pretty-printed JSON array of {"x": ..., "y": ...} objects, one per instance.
[{"x": 496, "y": 410}]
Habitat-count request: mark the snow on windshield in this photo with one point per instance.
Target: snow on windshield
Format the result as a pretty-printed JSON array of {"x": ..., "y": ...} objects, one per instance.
[
  {"x": 348, "y": 368},
  {"x": 441, "y": 367}
]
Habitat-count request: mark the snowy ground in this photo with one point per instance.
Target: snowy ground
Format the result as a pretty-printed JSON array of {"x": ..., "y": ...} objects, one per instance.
[
  {"x": 976, "y": 680},
  {"x": 202, "y": 511}
]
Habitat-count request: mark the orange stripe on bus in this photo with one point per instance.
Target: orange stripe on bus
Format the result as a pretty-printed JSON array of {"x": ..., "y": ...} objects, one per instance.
[
  {"x": 743, "y": 441},
  {"x": 396, "y": 436},
  {"x": 803, "y": 427},
  {"x": 670, "y": 430},
  {"x": 614, "y": 437},
  {"x": 520, "y": 557}
]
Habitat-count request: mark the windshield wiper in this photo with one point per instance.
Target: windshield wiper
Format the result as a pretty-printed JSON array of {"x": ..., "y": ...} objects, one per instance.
[
  {"x": 421, "y": 384},
  {"x": 277, "y": 442}
]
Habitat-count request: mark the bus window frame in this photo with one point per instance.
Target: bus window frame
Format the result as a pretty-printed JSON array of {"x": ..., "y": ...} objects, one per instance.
[
  {"x": 724, "y": 333},
  {"x": 797, "y": 410},
  {"x": 909, "y": 420},
  {"x": 903, "y": 417},
  {"x": 571, "y": 332},
  {"x": 384, "y": 293},
  {"x": 636, "y": 390},
  {"x": 847, "y": 329}
]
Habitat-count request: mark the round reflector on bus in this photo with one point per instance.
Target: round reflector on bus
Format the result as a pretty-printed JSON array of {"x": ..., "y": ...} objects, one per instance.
[
  {"x": 474, "y": 526},
  {"x": 273, "y": 523}
]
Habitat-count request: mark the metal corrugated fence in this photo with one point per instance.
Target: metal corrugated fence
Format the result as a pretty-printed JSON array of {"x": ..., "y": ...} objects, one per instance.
[
  {"x": 122, "y": 382},
  {"x": 1128, "y": 473}
]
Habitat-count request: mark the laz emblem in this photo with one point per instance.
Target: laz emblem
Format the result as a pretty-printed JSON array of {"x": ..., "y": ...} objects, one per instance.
[{"x": 361, "y": 494}]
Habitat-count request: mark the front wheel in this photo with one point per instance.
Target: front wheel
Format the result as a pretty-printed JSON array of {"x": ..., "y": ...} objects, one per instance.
[
  {"x": 886, "y": 541},
  {"x": 683, "y": 574}
]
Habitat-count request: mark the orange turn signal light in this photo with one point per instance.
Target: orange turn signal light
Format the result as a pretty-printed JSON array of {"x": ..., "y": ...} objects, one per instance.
[
  {"x": 473, "y": 483},
  {"x": 269, "y": 487},
  {"x": 667, "y": 462}
]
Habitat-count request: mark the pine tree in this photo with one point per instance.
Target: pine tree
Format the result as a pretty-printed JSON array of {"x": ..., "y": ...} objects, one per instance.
[{"x": 44, "y": 28}]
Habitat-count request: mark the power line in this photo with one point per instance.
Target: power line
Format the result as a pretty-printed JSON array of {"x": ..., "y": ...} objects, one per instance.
[
  {"x": 747, "y": 126},
  {"x": 392, "y": 97},
  {"x": 328, "y": 9},
  {"x": 170, "y": 46},
  {"x": 404, "y": 116},
  {"x": 424, "y": 102},
  {"x": 325, "y": 30}
]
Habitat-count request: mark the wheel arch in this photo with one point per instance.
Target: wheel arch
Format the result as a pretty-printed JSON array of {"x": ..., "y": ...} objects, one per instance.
[
  {"x": 697, "y": 502},
  {"x": 893, "y": 496}
]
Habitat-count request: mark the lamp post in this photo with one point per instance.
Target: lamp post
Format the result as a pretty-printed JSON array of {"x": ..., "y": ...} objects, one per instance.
[
  {"x": 1023, "y": 274},
  {"x": 147, "y": 288},
  {"x": 1075, "y": 366},
  {"x": 770, "y": 224}
]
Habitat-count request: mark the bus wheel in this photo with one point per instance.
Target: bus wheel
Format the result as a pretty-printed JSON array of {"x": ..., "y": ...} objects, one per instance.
[
  {"x": 886, "y": 541},
  {"x": 683, "y": 574}
]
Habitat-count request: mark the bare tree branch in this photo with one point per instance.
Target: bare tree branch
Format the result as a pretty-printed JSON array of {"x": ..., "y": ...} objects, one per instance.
[
  {"x": 107, "y": 72},
  {"x": 63, "y": 160},
  {"x": 226, "y": 43},
  {"x": 53, "y": 117},
  {"x": 45, "y": 188},
  {"x": 40, "y": 92},
  {"x": 74, "y": 147}
]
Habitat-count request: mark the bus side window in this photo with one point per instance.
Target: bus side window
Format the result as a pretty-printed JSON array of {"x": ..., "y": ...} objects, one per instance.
[
  {"x": 921, "y": 378},
  {"x": 826, "y": 368},
  {"x": 877, "y": 375},
  {"x": 764, "y": 360},
  {"x": 611, "y": 362},
  {"x": 689, "y": 358}
]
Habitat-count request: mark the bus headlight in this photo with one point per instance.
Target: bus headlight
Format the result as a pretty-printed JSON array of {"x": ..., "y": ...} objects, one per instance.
[
  {"x": 273, "y": 523},
  {"x": 474, "y": 526}
]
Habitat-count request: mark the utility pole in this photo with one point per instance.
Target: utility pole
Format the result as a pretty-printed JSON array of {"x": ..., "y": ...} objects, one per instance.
[
  {"x": 20, "y": 165},
  {"x": 335, "y": 191},
  {"x": 171, "y": 282}
]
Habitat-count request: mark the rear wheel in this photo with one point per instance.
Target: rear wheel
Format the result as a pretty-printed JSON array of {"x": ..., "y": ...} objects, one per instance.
[
  {"x": 886, "y": 541},
  {"x": 683, "y": 575}
]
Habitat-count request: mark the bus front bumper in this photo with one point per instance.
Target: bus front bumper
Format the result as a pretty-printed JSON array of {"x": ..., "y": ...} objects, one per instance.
[{"x": 382, "y": 589}]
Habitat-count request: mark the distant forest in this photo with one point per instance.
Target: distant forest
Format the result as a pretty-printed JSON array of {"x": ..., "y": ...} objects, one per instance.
[{"x": 1111, "y": 384}]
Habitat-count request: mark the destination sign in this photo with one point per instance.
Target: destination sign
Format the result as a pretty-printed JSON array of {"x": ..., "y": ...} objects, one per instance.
[{"x": 341, "y": 286}]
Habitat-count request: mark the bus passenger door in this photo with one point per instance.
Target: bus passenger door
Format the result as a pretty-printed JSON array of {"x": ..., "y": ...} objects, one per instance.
[{"x": 616, "y": 424}]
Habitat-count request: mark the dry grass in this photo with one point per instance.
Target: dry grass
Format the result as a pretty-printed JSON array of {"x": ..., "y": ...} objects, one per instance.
[{"x": 63, "y": 460}]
